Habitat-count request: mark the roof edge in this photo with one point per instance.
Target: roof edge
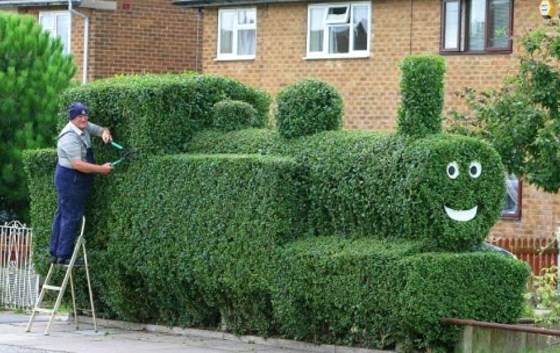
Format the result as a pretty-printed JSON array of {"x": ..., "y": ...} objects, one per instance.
[
  {"x": 91, "y": 4},
  {"x": 215, "y": 3},
  {"x": 29, "y": 3}
]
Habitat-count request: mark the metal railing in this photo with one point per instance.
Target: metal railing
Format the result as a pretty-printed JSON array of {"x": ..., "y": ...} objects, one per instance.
[{"x": 19, "y": 283}]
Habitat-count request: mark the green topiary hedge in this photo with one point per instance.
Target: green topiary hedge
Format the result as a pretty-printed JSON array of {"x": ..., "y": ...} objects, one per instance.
[
  {"x": 349, "y": 192},
  {"x": 231, "y": 115},
  {"x": 159, "y": 113},
  {"x": 307, "y": 107},
  {"x": 343, "y": 237},
  {"x": 376, "y": 294},
  {"x": 422, "y": 94}
]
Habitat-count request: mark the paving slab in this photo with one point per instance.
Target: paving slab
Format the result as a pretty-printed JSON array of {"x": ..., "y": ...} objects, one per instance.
[{"x": 122, "y": 337}]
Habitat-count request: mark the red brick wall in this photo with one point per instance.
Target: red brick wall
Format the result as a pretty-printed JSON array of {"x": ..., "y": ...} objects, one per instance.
[
  {"x": 369, "y": 86},
  {"x": 150, "y": 36}
]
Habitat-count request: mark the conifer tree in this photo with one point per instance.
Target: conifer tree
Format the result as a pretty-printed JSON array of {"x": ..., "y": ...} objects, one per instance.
[{"x": 33, "y": 72}]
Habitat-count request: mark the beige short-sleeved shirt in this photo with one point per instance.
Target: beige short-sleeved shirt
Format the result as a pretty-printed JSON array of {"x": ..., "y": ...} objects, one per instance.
[{"x": 73, "y": 143}]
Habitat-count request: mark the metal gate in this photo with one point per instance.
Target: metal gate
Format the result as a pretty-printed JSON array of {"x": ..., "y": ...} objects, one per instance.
[{"x": 19, "y": 284}]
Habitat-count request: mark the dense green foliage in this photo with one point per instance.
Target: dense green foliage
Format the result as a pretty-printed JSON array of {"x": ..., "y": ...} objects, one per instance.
[
  {"x": 346, "y": 181},
  {"x": 33, "y": 72},
  {"x": 231, "y": 115},
  {"x": 307, "y": 107},
  {"x": 159, "y": 113},
  {"x": 421, "y": 86},
  {"x": 522, "y": 118},
  {"x": 371, "y": 293},
  {"x": 338, "y": 237}
]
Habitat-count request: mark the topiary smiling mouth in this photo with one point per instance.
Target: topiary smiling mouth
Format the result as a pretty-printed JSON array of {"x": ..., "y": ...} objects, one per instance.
[{"x": 461, "y": 215}]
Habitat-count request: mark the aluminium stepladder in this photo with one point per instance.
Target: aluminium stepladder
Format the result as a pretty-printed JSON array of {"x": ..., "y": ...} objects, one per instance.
[{"x": 47, "y": 286}]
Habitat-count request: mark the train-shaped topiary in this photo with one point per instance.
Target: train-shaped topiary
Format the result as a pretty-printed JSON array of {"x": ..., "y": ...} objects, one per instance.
[{"x": 357, "y": 238}]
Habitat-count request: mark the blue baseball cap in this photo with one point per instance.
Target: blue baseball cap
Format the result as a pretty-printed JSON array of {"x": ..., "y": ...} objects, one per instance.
[{"x": 77, "y": 109}]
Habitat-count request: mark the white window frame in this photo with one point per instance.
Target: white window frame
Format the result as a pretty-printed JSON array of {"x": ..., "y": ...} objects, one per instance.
[
  {"x": 236, "y": 28},
  {"x": 53, "y": 30},
  {"x": 334, "y": 21}
]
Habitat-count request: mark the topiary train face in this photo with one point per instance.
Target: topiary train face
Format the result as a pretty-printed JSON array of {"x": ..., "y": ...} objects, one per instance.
[{"x": 459, "y": 189}]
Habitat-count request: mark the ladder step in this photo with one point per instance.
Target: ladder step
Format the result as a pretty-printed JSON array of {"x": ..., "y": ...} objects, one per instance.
[{"x": 48, "y": 286}]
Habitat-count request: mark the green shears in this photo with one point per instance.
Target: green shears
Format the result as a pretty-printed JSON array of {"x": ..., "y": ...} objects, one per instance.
[{"x": 125, "y": 153}]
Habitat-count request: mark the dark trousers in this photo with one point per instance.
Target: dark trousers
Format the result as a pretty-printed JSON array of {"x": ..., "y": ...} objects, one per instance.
[{"x": 72, "y": 189}]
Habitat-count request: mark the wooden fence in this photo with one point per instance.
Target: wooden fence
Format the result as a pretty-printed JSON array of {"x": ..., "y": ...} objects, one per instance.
[{"x": 539, "y": 253}]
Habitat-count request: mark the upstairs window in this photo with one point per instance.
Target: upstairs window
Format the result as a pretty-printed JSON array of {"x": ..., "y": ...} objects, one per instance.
[
  {"x": 58, "y": 25},
  {"x": 481, "y": 26},
  {"x": 237, "y": 34},
  {"x": 338, "y": 30}
]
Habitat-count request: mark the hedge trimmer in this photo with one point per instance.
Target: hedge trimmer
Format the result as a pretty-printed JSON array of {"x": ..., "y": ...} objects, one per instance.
[{"x": 126, "y": 154}]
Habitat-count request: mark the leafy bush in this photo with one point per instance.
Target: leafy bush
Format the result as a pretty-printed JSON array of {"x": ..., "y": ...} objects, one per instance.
[
  {"x": 346, "y": 182},
  {"x": 231, "y": 115},
  {"x": 391, "y": 293},
  {"x": 522, "y": 118},
  {"x": 160, "y": 113},
  {"x": 335, "y": 237},
  {"x": 421, "y": 86},
  {"x": 307, "y": 107}
]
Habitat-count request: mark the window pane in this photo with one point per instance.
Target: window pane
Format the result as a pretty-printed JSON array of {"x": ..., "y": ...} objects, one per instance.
[
  {"x": 316, "y": 25},
  {"x": 63, "y": 29},
  {"x": 361, "y": 27},
  {"x": 451, "y": 34},
  {"x": 339, "y": 39},
  {"x": 47, "y": 22},
  {"x": 511, "y": 202},
  {"x": 337, "y": 14},
  {"x": 247, "y": 17},
  {"x": 498, "y": 17},
  {"x": 477, "y": 15},
  {"x": 226, "y": 33},
  {"x": 246, "y": 42}
]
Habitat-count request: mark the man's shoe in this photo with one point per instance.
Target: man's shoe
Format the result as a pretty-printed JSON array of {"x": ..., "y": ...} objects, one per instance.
[
  {"x": 54, "y": 259},
  {"x": 66, "y": 261}
]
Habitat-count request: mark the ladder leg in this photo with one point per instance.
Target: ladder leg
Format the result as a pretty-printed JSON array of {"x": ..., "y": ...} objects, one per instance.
[
  {"x": 39, "y": 299},
  {"x": 89, "y": 286},
  {"x": 73, "y": 300}
]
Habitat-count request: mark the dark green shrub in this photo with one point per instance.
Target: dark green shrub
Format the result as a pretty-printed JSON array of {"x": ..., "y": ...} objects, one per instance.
[
  {"x": 335, "y": 237},
  {"x": 351, "y": 193},
  {"x": 159, "y": 113},
  {"x": 484, "y": 286},
  {"x": 307, "y": 107},
  {"x": 229, "y": 115},
  {"x": 421, "y": 88},
  {"x": 34, "y": 70},
  {"x": 371, "y": 293}
]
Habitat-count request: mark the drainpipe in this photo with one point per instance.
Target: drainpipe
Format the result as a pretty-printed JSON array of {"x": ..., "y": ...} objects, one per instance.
[
  {"x": 86, "y": 36},
  {"x": 558, "y": 254},
  {"x": 199, "y": 14}
]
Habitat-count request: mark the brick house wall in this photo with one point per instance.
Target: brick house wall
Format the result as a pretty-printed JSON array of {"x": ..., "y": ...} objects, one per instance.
[
  {"x": 370, "y": 86},
  {"x": 139, "y": 36}
]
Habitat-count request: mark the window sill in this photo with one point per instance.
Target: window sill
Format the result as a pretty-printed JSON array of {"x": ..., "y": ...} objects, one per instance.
[
  {"x": 238, "y": 58},
  {"x": 510, "y": 217},
  {"x": 344, "y": 56},
  {"x": 493, "y": 52}
]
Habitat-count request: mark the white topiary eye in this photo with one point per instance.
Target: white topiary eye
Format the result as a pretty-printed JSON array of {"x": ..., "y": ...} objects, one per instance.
[
  {"x": 475, "y": 169},
  {"x": 453, "y": 170}
]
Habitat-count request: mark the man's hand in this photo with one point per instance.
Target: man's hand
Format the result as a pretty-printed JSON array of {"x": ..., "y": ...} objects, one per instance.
[
  {"x": 106, "y": 135},
  {"x": 85, "y": 167},
  {"x": 106, "y": 168}
]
